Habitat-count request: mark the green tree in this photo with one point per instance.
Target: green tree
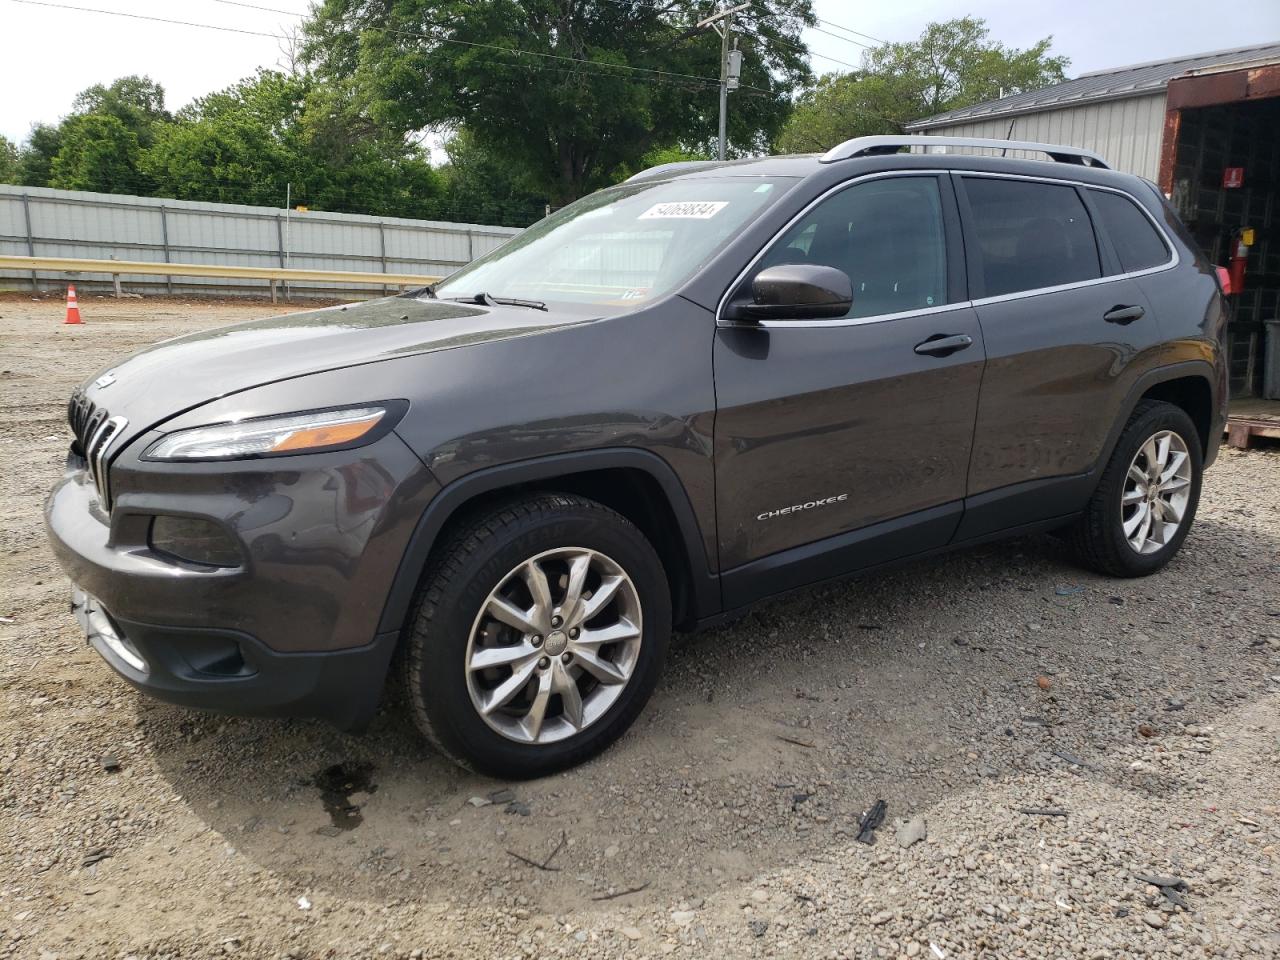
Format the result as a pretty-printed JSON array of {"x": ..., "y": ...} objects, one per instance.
[
  {"x": 98, "y": 145},
  {"x": 97, "y": 152},
  {"x": 482, "y": 187},
  {"x": 9, "y": 167},
  {"x": 237, "y": 145},
  {"x": 137, "y": 102},
  {"x": 227, "y": 158},
  {"x": 565, "y": 125},
  {"x": 275, "y": 135},
  {"x": 35, "y": 157},
  {"x": 953, "y": 64}
]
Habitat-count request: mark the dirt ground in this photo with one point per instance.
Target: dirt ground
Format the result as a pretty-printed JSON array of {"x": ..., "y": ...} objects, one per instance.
[{"x": 1095, "y": 764}]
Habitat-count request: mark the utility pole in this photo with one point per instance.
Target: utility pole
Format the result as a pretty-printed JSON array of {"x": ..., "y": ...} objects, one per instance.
[
  {"x": 730, "y": 62},
  {"x": 288, "y": 204}
]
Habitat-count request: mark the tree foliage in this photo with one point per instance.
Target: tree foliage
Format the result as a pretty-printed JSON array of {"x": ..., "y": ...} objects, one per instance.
[
  {"x": 35, "y": 156},
  {"x": 481, "y": 187},
  {"x": 9, "y": 165},
  {"x": 96, "y": 152},
  {"x": 592, "y": 87},
  {"x": 537, "y": 102},
  {"x": 137, "y": 102},
  {"x": 259, "y": 141},
  {"x": 952, "y": 64}
]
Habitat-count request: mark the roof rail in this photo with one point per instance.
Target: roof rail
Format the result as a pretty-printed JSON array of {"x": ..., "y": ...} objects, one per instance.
[{"x": 878, "y": 146}]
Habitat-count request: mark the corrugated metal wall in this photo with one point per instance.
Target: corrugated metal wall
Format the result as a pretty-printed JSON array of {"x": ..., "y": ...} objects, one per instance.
[
  {"x": 35, "y": 221},
  {"x": 1126, "y": 133}
]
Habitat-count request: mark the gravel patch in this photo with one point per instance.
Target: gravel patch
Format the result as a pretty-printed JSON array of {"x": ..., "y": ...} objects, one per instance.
[{"x": 1070, "y": 766}]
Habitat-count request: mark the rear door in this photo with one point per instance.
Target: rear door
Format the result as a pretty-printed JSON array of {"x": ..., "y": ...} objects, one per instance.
[
  {"x": 845, "y": 442},
  {"x": 1066, "y": 330}
]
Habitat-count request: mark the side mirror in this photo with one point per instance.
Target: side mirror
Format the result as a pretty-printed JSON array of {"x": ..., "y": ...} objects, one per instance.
[{"x": 795, "y": 291}]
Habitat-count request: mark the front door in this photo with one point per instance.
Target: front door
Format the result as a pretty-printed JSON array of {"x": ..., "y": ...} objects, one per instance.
[{"x": 844, "y": 443}]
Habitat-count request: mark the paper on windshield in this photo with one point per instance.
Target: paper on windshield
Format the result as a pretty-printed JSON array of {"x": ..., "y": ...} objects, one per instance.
[{"x": 684, "y": 210}]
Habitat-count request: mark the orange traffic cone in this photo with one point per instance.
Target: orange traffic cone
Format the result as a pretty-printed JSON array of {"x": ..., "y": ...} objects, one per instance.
[{"x": 73, "y": 309}]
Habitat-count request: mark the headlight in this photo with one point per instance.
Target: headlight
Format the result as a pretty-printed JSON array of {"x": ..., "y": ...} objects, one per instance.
[{"x": 275, "y": 436}]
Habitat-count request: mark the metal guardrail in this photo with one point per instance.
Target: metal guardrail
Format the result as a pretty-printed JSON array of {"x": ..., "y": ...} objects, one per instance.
[
  {"x": 276, "y": 275},
  {"x": 280, "y": 274}
]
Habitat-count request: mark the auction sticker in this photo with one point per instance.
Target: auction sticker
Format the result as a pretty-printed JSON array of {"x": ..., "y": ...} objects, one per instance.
[{"x": 684, "y": 210}]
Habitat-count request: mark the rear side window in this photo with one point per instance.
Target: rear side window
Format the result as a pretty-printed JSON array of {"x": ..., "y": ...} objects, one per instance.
[
  {"x": 886, "y": 234},
  {"x": 1138, "y": 244},
  {"x": 1030, "y": 235}
]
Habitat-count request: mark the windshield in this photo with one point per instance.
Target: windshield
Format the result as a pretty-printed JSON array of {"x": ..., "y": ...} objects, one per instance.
[{"x": 620, "y": 247}]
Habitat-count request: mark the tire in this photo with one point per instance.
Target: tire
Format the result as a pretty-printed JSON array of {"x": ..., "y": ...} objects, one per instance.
[
  {"x": 491, "y": 564},
  {"x": 1102, "y": 536}
]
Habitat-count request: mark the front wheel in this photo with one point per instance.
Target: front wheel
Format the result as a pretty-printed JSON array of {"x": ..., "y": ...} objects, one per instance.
[
  {"x": 541, "y": 631},
  {"x": 1147, "y": 496}
]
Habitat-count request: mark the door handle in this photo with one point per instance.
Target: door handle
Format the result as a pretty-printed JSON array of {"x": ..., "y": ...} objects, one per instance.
[
  {"x": 942, "y": 345},
  {"x": 1121, "y": 314}
]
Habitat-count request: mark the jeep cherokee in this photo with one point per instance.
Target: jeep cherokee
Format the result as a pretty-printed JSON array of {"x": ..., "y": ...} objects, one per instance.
[{"x": 708, "y": 385}]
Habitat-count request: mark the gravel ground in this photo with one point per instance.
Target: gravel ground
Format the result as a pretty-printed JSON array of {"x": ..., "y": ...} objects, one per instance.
[{"x": 1071, "y": 766}]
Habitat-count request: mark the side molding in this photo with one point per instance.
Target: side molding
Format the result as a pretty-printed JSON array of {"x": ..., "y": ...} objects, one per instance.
[
  {"x": 840, "y": 555},
  {"x": 705, "y": 585}
]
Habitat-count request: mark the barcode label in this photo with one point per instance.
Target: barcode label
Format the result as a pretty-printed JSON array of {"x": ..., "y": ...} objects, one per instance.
[{"x": 684, "y": 210}]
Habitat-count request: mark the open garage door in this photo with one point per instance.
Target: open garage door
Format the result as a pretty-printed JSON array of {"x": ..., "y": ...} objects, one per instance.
[{"x": 1220, "y": 165}]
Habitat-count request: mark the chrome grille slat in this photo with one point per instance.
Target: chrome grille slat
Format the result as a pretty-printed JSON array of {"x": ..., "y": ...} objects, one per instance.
[
  {"x": 106, "y": 435},
  {"x": 95, "y": 431}
]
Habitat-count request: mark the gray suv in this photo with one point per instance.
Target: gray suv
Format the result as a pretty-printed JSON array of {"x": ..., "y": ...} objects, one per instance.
[{"x": 709, "y": 385}]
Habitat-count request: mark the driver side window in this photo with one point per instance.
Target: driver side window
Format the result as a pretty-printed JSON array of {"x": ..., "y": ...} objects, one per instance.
[{"x": 887, "y": 235}]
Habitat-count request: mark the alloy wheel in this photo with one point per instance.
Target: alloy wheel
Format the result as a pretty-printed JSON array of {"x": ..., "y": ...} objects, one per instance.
[
  {"x": 1156, "y": 492},
  {"x": 554, "y": 645}
]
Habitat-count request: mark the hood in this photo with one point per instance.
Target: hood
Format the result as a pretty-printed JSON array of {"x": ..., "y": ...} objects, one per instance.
[{"x": 175, "y": 375}]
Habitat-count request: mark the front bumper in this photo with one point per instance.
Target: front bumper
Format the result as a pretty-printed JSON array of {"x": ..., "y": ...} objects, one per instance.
[
  {"x": 290, "y": 631},
  {"x": 226, "y": 672}
]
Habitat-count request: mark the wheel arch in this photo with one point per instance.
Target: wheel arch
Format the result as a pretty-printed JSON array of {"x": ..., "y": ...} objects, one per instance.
[
  {"x": 1194, "y": 395},
  {"x": 1177, "y": 383},
  {"x": 636, "y": 483}
]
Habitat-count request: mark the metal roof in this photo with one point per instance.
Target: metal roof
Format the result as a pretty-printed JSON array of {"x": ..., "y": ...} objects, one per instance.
[{"x": 1118, "y": 83}]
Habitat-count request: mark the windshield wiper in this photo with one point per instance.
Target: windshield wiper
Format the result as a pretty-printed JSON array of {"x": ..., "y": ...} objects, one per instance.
[
  {"x": 485, "y": 300},
  {"x": 427, "y": 291}
]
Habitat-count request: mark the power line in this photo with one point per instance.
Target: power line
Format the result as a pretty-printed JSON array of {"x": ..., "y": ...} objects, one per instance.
[
  {"x": 657, "y": 75},
  {"x": 830, "y": 23},
  {"x": 858, "y": 43},
  {"x": 866, "y": 46},
  {"x": 851, "y": 30},
  {"x": 139, "y": 16},
  {"x": 803, "y": 49},
  {"x": 490, "y": 46}
]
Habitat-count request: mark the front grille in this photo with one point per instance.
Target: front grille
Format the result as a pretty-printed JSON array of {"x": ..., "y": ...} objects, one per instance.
[{"x": 95, "y": 430}]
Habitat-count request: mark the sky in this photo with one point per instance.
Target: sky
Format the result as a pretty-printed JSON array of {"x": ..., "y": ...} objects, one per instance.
[{"x": 49, "y": 55}]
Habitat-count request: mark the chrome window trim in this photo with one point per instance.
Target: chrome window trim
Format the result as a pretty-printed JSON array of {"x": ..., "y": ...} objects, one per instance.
[
  {"x": 1174, "y": 257},
  {"x": 844, "y": 321},
  {"x": 855, "y": 321}
]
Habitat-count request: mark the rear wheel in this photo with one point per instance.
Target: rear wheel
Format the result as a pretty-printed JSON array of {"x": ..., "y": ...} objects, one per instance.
[
  {"x": 540, "y": 633},
  {"x": 1147, "y": 496}
]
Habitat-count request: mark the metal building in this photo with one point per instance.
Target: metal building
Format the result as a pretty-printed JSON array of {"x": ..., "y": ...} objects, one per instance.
[{"x": 1206, "y": 129}]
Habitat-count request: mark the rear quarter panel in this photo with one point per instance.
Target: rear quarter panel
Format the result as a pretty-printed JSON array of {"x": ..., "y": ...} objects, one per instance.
[{"x": 1191, "y": 309}]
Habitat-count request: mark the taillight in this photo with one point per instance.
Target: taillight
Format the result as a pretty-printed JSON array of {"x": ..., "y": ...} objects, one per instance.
[{"x": 1224, "y": 280}]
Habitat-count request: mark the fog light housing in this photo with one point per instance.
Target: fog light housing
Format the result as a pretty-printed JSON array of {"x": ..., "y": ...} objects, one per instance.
[
  {"x": 101, "y": 630},
  {"x": 194, "y": 540}
]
